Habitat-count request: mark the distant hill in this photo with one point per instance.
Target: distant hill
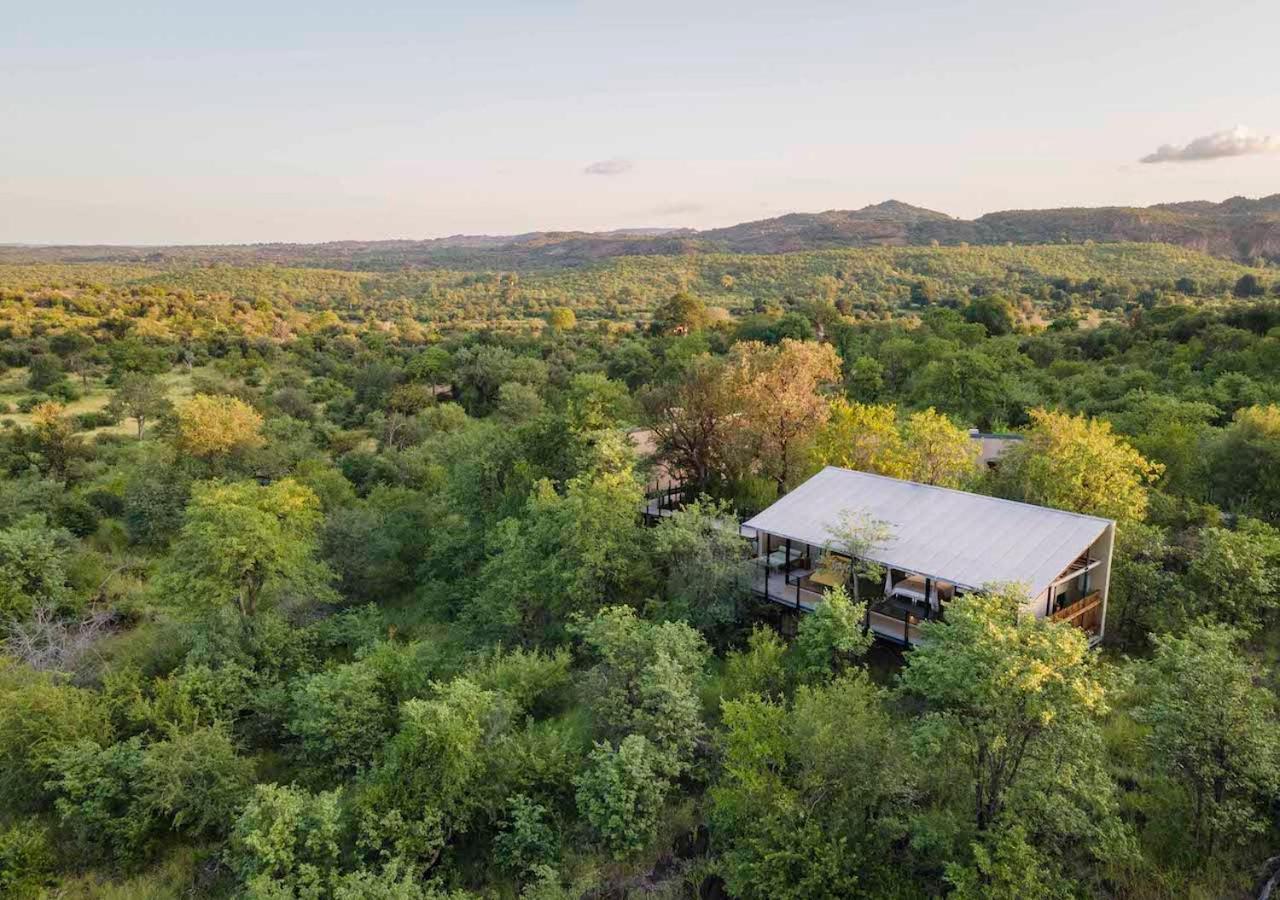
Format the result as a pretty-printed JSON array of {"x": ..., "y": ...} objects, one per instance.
[{"x": 1239, "y": 228}]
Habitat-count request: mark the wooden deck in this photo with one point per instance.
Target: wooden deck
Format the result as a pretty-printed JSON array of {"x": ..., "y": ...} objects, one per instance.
[
  {"x": 1085, "y": 613},
  {"x": 883, "y": 624},
  {"x": 894, "y": 628},
  {"x": 775, "y": 588}
]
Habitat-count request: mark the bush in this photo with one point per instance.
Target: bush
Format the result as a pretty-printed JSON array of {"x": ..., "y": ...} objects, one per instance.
[
  {"x": 33, "y": 569},
  {"x": 534, "y": 681},
  {"x": 26, "y": 861},
  {"x": 201, "y": 694},
  {"x": 108, "y": 503},
  {"x": 64, "y": 391},
  {"x": 621, "y": 792},
  {"x": 528, "y": 839},
  {"x": 39, "y": 715},
  {"x": 87, "y": 421},
  {"x": 830, "y": 636},
  {"x": 287, "y": 836},
  {"x": 44, "y": 372},
  {"x": 759, "y": 669},
  {"x": 76, "y": 515},
  {"x": 349, "y": 631},
  {"x": 342, "y": 717},
  {"x": 98, "y": 799},
  {"x": 195, "y": 781}
]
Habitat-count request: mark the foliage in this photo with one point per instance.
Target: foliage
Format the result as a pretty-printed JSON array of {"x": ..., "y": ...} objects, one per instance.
[
  {"x": 758, "y": 669},
  {"x": 26, "y": 861},
  {"x": 287, "y": 839},
  {"x": 212, "y": 426},
  {"x": 140, "y": 397},
  {"x": 708, "y": 572},
  {"x": 241, "y": 542},
  {"x": 33, "y": 570},
  {"x": 1072, "y": 463},
  {"x": 781, "y": 407},
  {"x": 812, "y": 797},
  {"x": 500, "y": 609},
  {"x": 567, "y": 553},
  {"x": 1235, "y": 574},
  {"x": 528, "y": 840},
  {"x": 1246, "y": 462},
  {"x": 39, "y": 715},
  {"x": 621, "y": 792},
  {"x": 831, "y": 637},
  {"x": 1011, "y": 713},
  {"x": 645, "y": 681},
  {"x": 1212, "y": 731},
  {"x": 195, "y": 781},
  {"x": 342, "y": 717},
  {"x": 99, "y": 801}
]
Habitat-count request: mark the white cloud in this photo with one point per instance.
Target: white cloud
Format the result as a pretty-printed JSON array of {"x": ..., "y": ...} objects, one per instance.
[
  {"x": 609, "y": 167},
  {"x": 1238, "y": 141}
]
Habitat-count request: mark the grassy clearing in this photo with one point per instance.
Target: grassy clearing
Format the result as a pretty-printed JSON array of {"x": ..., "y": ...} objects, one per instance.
[{"x": 93, "y": 397}]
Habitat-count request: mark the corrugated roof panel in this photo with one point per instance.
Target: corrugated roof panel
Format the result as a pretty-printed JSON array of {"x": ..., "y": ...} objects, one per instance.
[{"x": 970, "y": 539}]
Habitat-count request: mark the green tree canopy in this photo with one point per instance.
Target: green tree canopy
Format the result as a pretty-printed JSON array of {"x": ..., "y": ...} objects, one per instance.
[{"x": 242, "y": 542}]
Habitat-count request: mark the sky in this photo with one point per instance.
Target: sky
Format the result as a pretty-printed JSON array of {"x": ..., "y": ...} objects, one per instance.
[{"x": 238, "y": 122}]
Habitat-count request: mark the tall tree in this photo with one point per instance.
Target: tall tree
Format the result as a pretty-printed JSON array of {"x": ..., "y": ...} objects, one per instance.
[
  {"x": 781, "y": 401},
  {"x": 139, "y": 397},
  {"x": 707, "y": 566},
  {"x": 693, "y": 422},
  {"x": 999, "y": 687},
  {"x": 681, "y": 313},
  {"x": 938, "y": 451},
  {"x": 241, "y": 541},
  {"x": 1213, "y": 730},
  {"x": 212, "y": 426},
  {"x": 1009, "y": 745},
  {"x": 1078, "y": 464},
  {"x": 862, "y": 437}
]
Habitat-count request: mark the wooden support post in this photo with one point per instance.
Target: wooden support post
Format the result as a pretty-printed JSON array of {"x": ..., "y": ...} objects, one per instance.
[{"x": 928, "y": 605}]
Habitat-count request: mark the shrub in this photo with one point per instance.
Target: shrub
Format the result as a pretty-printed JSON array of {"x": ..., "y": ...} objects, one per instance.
[
  {"x": 39, "y": 715},
  {"x": 87, "y": 421},
  {"x": 287, "y": 835},
  {"x": 195, "y": 781},
  {"x": 528, "y": 839},
  {"x": 26, "y": 861},
  {"x": 621, "y": 792},
  {"x": 342, "y": 716},
  {"x": 534, "y": 681},
  {"x": 98, "y": 799},
  {"x": 108, "y": 503},
  {"x": 76, "y": 515}
]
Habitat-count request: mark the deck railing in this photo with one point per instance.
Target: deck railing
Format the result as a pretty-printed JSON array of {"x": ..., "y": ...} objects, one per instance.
[{"x": 1085, "y": 613}]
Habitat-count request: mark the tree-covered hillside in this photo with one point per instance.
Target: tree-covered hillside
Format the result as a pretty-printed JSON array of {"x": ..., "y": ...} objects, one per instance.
[
  {"x": 1070, "y": 280},
  {"x": 1240, "y": 228},
  {"x": 335, "y": 584}
]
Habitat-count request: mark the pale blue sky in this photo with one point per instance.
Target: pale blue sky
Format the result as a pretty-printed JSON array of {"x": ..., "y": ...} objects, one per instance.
[{"x": 178, "y": 122}]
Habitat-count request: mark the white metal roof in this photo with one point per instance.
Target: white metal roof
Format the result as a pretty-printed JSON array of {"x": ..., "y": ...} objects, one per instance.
[{"x": 969, "y": 539}]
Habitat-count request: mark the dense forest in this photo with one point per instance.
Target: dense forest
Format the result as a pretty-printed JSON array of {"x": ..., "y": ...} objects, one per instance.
[{"x": 319, "y": 583}]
